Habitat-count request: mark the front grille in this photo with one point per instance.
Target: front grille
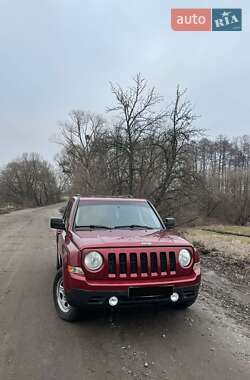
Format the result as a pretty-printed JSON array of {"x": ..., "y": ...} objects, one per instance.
[{"x": 143, "y": 264}]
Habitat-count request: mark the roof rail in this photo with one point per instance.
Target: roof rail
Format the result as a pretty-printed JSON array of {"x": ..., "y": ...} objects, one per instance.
[
  {"x": 120, "y": 196},
  {"x": 106, "y": 196}
]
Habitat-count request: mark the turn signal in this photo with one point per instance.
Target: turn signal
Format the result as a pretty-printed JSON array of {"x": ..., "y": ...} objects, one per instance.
[
  {"x": 197, "y": 268},
  {"x": 75, "y": 270}
]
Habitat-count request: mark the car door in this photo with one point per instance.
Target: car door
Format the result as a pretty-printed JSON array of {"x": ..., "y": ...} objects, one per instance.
[{"x": 61, "y": 234}]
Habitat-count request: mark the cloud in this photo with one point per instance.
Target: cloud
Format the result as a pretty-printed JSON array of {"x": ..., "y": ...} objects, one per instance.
[{"x": 59, "y": 55}]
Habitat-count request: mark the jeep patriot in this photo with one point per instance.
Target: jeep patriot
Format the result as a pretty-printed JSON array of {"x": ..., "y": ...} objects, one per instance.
[{"x": 119, "y": 251}]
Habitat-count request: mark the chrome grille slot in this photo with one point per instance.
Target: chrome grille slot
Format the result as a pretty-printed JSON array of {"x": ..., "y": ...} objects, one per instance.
[
  {"x": 144, "y": 263},
  {"x": 163, "y": 260},
  {"x": 123, "y": 264},
  {"x": 133, "y": 263},
  {"x": 172, "y": 262},
  {"x": 153, "y": 257},
  {"x": 111, "y": 263}
]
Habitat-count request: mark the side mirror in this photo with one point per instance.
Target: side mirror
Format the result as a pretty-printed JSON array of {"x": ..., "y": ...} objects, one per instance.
[
  {"x": 169, "y": 223},
  {"x": 57, "y": 224}
]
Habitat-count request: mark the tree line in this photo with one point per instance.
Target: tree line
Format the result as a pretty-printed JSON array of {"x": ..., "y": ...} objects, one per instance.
[
  {"x": 28, "y": 181},
  {"x": 147, "y": 148},
  {"x": 223, "y": 166}
]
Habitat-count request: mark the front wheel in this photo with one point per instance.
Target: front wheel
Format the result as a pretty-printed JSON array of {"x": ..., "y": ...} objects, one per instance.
[
  {"x": 63, "y": 308},
  {"x": 58, "y": 266}
]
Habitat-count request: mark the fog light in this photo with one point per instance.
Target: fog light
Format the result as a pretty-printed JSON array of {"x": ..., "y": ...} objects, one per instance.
[
  {"x": 113, "y": 301},
  {"x": 174, "y": 297}
]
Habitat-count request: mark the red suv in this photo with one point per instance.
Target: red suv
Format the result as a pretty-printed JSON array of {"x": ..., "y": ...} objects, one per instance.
[{"x": 118, "y": 251}]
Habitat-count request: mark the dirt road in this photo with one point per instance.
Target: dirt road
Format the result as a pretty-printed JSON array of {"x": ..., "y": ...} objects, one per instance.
[{"x": 200, "y": 343}]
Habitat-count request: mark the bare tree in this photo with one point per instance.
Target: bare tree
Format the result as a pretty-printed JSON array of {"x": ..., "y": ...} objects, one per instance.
[
  {"x": 174, "y": 144},
  {"x": 137, "y": 116},
  {"x": 82, "y": 139}
]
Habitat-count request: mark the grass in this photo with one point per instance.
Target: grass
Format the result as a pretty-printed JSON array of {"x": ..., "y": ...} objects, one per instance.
[
  {"x": 243, "y": 230},
  {"x": 227, "y": 245}
]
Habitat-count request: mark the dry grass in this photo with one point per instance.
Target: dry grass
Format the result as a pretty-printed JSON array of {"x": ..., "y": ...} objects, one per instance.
[
  {"x": 228, "y": 245},
  {"x": 232, "y": 229}
]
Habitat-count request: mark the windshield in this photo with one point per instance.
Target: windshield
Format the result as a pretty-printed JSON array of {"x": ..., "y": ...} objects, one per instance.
[{"x": 114, "y": 214}]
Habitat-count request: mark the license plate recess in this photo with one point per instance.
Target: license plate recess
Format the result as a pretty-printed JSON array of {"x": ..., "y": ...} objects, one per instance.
[{"x": 153, "y": 291}]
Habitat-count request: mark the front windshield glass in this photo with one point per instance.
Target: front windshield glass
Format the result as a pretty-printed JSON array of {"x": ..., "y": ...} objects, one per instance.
[{"x": 115, "y": 214}]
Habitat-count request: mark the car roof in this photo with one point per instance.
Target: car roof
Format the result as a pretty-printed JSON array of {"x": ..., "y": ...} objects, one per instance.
[{"x": 115, "y": 199}]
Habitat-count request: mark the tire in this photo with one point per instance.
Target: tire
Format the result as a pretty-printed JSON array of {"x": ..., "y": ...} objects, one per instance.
[
  {"x": 63, "y": 308},
  {"x": 57, "y": 262},
  {"x": 181, "y": 305}
]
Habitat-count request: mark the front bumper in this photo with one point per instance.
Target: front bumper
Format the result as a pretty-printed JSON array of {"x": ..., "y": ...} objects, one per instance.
[{"x": 83, "y": 298}]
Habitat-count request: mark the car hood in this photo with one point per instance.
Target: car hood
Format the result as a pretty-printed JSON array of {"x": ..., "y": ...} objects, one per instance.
[{"x": 126, "y": 238}]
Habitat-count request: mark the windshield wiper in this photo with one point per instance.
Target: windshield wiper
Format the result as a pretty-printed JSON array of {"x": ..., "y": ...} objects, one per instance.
[
  {"x": 134, "y": 226},
  {"x": 94, "y": 226}
]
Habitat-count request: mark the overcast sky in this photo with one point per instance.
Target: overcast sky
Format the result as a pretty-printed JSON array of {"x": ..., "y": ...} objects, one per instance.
[{"x": 59, "y": 55}]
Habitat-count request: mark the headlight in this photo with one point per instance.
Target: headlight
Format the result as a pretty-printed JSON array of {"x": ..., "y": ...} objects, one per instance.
[
  {"x": 184, "y": 258},
  {"x": 93, "y": 260}
]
